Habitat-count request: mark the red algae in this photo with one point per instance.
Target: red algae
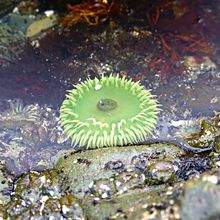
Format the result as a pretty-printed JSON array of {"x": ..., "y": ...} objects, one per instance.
[
  {"x": 91, "y": 12},
  {"x": 180, "y": 32}
]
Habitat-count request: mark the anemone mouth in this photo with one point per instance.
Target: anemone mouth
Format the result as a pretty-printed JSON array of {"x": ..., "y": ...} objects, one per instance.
[
  {"x": 109, "y": 111},
  {"x": 106, "y": 105}
]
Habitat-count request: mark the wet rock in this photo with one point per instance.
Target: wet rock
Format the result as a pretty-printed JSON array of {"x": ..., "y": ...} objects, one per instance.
[
  {"x": 82, "y": 169},
  {"x": 160, "y": 172},
  {"x": 36, "y": 195},
  {"x": 217, "y": 143},
  {"x": 205, "y": 137},
  {"x": 4, "y": 184},
  {"x": 121, "y": 183},
  {"x": 120, "y": 206},
  {"x": 197, "y": 199},
  {"x": 208, "y": 134},
  {"x": 12, "y": 45},
  {"x": 102, "y": 188},
  {"x": 201, "y": 199},
  {"x": 111, "y": 183},
  {"x": 6, "y": 6},
  {"x": 40, "y": 26}
]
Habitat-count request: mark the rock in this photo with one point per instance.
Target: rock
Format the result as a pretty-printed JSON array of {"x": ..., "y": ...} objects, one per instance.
[
  {"x": 4, "y": 184},
  {"x": 110, "y": 183},
  {"x": 121, "y": 166},
  {"x": 12, "y": 45},
  {"x": 38, "y": 27},
  {"x": 201, "y": 199},
  {"x": 160, "y": 172},
  {"x": 6, "y": 6},
  {"x": 36, "y": 195},
  {"x": 208, "y": 134},
  {"x": 194, "y": 68}
]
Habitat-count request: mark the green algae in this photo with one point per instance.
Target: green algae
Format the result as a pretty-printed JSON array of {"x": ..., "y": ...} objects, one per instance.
[
  {"x": 208, "y": 134},
  {"x": 38, "y": 195}
]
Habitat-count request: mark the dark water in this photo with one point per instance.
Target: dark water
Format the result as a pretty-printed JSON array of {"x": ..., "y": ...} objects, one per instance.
[{"x": 43, "y": 74}]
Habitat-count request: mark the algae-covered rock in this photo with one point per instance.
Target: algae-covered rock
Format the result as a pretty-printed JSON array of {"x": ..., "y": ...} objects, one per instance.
[
  {"x": 36, "y": 195},
  {"x": 120, "y": 166},
  {"x": 119, "y": 206},
  {"x": 201, "y": 199},
  {"x": 208, "y": 134},
  {"x": 4, "y": 184},
  {"x": 196, "y": 199},
  {"x": 160, "y": 172},
  {"x": 6, "y": 6},
  {"x": 12, "y": 45},
  {"x": 115, "y": 183}
]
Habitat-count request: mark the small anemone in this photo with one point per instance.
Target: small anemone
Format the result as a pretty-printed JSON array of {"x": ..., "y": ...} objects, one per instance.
[{"x": 110, "y": 111}]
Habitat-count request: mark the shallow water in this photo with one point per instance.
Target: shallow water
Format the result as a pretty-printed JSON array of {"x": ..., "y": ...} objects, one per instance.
[
  {"x": 48, "y": 65},
  {"x": 172, "y": 47}
]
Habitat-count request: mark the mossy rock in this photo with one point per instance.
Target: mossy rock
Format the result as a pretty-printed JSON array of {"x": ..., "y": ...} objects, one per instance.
[
  {"x": 37, "y": 195},
  {"x": 201, "y": 199},
  {"x": 81, "y": 170}
]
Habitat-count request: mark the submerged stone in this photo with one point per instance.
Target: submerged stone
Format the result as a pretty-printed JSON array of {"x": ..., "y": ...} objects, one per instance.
[
  {"x": 120, "y": 166},
  {"x": 208, "y": 134},
  {"x": 160, "y": 172}
]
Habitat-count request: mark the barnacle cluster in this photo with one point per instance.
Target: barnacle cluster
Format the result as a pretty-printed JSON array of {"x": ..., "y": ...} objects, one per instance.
[
  {"x": 108, "y": 111},
  {"x": 91, "y": 12}
]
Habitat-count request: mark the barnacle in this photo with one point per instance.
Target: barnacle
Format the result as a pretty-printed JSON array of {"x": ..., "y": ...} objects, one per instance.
[{"x": 109, "y": 111}]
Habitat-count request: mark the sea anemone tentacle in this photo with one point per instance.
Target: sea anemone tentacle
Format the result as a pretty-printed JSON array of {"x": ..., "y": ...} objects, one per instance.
[{"x": 107, "y": 112}]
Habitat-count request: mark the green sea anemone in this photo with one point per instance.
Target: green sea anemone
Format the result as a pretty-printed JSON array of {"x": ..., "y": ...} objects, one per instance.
[{"x": 110, "y": 111}]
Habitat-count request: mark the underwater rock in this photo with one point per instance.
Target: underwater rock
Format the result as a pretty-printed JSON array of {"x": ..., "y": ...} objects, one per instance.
[
  {"x": 12, "y": 45},
  {"x": 29, "y": 137},
  {"x": 118, "y": 165},
  {"x": 38, "y": 27},
  {"x": 6, "y": 6},
  {"x": 195, "y": 68},
  {"x": 19, "y": 22},
  {"x": 160, "y": 172},
  {"x": 208, "y": 134}
]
